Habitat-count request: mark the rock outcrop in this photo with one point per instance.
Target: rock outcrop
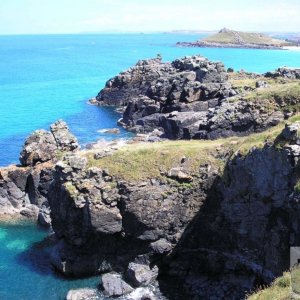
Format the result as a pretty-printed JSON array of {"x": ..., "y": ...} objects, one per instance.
[
  {"x": 285, "y": 72},
  {"x": 190, "y": 98},
  {"x": 24, "y": 188},
  {"x": 217, "y": 235}
]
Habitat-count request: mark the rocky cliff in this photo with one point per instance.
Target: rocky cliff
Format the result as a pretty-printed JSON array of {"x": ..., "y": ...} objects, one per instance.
[
  {"x": 193, "y": 98},
  {"x": 215, "y": 222},
  {"x": 24, "y": 188},
  {"x": 209, "y": 219}
]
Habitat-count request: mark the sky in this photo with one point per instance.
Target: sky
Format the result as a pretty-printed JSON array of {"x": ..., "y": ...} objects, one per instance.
[{"x": 78, "y": 16}]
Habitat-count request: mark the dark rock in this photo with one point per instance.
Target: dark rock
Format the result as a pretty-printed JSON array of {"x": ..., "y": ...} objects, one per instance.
[
  {"x": 42, "y": 146},
  {"x": 113, "y": 285},
  {"x": 187, "y": 99},
  {"x": 290, "y": 132},
  {"x": 24, "y": 189},
  {"x": 285, "y": 72},
  {"x": 39, "y": 147}
]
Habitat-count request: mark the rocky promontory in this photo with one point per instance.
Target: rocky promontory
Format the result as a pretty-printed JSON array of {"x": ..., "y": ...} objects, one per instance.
[
  {"x": 227, "y": 38},
  {"x": 194, "y": 98}
]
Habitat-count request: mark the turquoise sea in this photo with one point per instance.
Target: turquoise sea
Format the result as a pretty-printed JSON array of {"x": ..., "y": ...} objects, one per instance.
[{"x": 45, "y": 78}]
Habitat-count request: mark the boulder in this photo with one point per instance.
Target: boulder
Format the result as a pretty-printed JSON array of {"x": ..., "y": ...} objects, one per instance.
[
  {"x": 178, "y": 174},
  {"x": 83, "y": 294},
  {"x": 113, "y": 285},
  {"x": 161, "y": 246},
  {"x": 138, "y": 274}
]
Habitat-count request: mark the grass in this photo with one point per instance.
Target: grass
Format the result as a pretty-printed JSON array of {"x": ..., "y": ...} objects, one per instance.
[
  {"x": 281, "y": 288},
  {"x": 280, "y": 94},
  {"x": 141, "y": 161},
  {"x": 230, "y": 37},
  {"x": 151, "y": 160}
]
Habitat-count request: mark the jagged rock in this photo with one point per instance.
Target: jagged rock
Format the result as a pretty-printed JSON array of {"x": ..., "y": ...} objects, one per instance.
[
  {"x": 139, "y": 274},
  {"x": 44, "y": 218},
  {"x": 83, "y": 294},
  {"x": 42, "y": 146},
  {"x": 161, "y": 246},
  {"x": 24, "y": 189},
  {"x": 186, "y": 99},
  {"x": 39, "y": 147},
  {"x": 285, "y": 72},
  {"x": 65, "y": 140},
  {"x": 113, "y": 285}
]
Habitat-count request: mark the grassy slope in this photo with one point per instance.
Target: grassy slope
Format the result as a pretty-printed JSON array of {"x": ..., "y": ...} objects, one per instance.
[
  {"x": 284, "y": 93},
  {"x": 140, "y": 161},
  {"x": 247, "y": 37},
  {"x": 281, "y": 288}
]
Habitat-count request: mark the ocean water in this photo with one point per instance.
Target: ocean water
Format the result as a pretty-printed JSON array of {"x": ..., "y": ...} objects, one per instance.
[
  {"x": 25, "y": 272},
  {"x": 45, "y": 78}
]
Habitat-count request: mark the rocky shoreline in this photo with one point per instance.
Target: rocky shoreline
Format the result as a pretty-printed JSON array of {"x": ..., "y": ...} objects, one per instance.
[
  {"x": 158, "y": 218},
  {"x": 202, "y": 44}
]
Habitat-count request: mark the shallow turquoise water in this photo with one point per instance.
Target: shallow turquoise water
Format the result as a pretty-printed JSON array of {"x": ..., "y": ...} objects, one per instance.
[
  {"x": 25, "y": 272},
  {"x": 44, "y": 78}
]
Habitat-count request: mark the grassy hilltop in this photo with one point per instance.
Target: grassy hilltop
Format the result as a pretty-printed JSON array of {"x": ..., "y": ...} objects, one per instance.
[{"x": 227, "y": 36}]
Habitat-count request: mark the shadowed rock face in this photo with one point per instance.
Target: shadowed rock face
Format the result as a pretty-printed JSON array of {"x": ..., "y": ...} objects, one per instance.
[
  {"x": 186, "y": 99},
  {"x": 24, "y": 188}
]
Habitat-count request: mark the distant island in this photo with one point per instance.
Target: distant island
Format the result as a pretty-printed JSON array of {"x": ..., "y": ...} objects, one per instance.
[{"x": 227, "y": 38}]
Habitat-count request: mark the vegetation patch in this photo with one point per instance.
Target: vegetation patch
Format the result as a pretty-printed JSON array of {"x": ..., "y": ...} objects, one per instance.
[{"x": 141, "y": 161}]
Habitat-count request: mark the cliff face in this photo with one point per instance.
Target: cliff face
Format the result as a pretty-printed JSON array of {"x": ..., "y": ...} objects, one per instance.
[
  {"x": 190, "y": 98},
  {"x": 24, "y": 188},
  {"x": 218, "y": 231}
]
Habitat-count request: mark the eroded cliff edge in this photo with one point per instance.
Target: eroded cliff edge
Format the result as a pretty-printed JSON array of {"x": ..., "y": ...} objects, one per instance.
[{"x": 210, "y": 219}]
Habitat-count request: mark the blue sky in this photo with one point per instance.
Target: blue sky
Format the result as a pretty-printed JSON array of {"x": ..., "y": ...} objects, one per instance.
[{"x": 73, "y": 16}]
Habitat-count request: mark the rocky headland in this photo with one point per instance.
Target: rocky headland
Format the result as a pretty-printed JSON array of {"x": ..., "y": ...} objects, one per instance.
[
  {"x": 205, "y": 207},
  {"x": 227, "y": 38}
]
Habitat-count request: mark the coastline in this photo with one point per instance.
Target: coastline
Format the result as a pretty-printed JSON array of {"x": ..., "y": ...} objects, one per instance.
[{"x": 231, "y": 46}]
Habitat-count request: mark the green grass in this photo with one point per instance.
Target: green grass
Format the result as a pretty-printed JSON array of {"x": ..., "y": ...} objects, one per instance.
[
  {"x": 141, "y": 161},
  {"x": 151, "y": 160},
  {"x": 230, "y": 37},
  {"x": 280, "y": 94},
  {"x": 280, "y": 289}
]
